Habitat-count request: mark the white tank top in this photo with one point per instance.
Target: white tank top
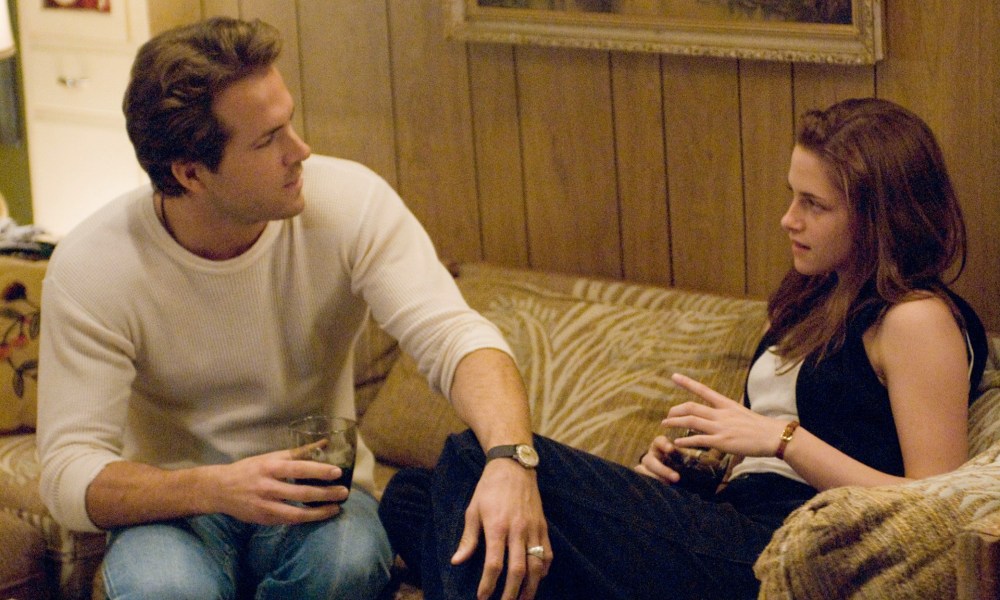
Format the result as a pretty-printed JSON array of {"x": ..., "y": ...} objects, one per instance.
[{"x": 771, "y": 388}]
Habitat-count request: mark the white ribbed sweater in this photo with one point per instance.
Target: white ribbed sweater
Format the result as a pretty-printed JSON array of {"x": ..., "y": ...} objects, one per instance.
[{"x": 153, "y": 354}]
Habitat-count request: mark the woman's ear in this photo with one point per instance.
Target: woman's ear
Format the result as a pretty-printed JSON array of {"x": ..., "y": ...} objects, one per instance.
[{"x": 188, "y": 174}]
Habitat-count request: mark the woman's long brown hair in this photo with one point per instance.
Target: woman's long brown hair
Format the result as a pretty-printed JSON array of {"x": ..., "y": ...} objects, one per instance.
[{"x": 907, "y": 226}]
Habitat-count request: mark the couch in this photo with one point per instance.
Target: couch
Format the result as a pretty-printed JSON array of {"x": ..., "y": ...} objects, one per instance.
[{"x": 596, "y": 357}]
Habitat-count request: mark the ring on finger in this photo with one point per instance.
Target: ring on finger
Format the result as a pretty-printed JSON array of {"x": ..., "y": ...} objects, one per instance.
[{"x": 536, "y": 551}]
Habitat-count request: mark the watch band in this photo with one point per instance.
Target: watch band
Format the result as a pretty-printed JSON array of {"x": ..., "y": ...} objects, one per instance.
[
  {"x": 507, "y": 451},
  {"x": 523, "y": 454},
  {"x": 786, "y": 436}
]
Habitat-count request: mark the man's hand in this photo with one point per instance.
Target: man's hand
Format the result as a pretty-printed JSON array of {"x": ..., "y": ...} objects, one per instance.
[
  {"x": 256, "y": 489},
  {"x": 489, "y": 395},
  {"x": 507, "y": 508}
]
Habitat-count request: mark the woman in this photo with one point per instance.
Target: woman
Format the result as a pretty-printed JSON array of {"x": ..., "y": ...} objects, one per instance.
[{"x": 869, "y": 361}]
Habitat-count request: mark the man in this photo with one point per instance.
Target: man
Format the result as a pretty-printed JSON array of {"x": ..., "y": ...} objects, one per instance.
[{"x": 188, "y": 323}]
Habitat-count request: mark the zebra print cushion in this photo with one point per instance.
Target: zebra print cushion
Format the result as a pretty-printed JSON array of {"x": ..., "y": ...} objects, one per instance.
[{"x": 596, "y": 357}]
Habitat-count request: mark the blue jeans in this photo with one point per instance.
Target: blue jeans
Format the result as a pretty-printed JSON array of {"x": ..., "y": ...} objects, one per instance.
[
  {"x": 212, "y": 557},
  {"x": 615, "y": 534}
]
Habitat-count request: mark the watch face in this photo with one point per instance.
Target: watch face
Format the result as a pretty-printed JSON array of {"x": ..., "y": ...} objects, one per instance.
[{"x": 527, "y": 456}]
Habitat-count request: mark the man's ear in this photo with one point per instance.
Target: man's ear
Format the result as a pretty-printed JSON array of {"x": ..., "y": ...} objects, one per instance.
[{"x": 188, "y": 174}]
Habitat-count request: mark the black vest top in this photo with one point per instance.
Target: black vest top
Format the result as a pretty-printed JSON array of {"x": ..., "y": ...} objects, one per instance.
[{"x": 842, "y": 401}]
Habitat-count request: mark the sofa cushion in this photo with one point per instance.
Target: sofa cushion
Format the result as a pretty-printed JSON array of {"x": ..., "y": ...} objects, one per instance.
[
  {"x": 406, "y": 424},
  {"x": 21, "y": 288},
  {"x": 596, "y": 357}
]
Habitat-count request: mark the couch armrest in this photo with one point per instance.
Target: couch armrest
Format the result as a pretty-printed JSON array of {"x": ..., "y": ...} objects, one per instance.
[
  {"x": 978, "y": 559},
  {"x": 72, "y": 557},
  {"x": 887, "y": 542},
  {"x": 863, "y": 542}
]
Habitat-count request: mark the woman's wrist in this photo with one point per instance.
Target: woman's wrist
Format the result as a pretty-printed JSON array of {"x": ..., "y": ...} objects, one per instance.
[{"x": 786, "y": 438}]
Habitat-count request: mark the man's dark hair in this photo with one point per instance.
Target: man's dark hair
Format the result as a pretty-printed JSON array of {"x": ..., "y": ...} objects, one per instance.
[{"x": 175, "y": 79}]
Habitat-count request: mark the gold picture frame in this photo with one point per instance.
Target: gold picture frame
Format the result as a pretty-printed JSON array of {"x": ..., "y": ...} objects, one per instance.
[{"x": 748, "y": 29}]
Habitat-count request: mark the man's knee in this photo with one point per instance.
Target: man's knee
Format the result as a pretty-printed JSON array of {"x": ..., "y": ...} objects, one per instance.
[
  {"x": 178, "y": 588},
  {"x": 142, "y": 580},
  {"x": 353, "y": 552},
  {"x": 459, "y": 443},
  {"x": 368, "y": 570},
  {"x": 352, "y": 565},
  {"x": 164, "y": 561}
]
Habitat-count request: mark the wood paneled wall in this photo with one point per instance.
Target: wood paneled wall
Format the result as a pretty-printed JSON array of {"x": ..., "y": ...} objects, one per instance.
[{"x": 655, "y": 168}]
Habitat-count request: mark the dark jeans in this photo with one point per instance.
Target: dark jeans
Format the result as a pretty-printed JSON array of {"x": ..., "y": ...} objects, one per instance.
[{"x": 615, "y": 534}]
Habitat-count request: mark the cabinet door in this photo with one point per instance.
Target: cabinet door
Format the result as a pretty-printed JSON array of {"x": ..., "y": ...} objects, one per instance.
[
  {"x": 76, "y": 80},
  {"x": 77, "y": 167}
]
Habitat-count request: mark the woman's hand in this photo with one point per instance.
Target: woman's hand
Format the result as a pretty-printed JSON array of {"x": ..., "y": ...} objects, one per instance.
[
  {"x": 653, "y": 462},
  {"x": 722, "y": 423}
]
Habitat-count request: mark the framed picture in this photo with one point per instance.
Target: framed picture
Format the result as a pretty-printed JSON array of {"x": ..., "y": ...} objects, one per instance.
[
  {"x": 102, "y": 21},
  {"x": 823, "y": 31},
  {"x": 98, "y": 5}
]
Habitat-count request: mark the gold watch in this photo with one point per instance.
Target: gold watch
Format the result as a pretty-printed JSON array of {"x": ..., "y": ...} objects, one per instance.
[{"x": 524, "y": 454}]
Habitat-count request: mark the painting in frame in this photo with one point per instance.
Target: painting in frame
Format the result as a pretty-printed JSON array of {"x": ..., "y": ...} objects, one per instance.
[
  {"x": 819, "y": 31},
  {"x": 98, "y": 5}
]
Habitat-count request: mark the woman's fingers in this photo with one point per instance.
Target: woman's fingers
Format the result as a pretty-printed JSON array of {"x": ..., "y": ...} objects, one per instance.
[{"x": 712, "y": 397}]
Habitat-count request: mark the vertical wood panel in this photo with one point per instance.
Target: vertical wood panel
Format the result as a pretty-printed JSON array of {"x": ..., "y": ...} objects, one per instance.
[
  {"x": 220, "y": 8},
  {"x": 346, "y": 82},
  {"x": 982, "y": 208},
  {"x": 953, "y": 86},
  {"x": 768, "y": 134},
  {"x": 641, "y": 167},
  {"x": 569, "y": 160},
  {"x": 434, "y": 128},
  {"x": 498, "y": 154},
  {"x": 705, "y": 185},
  {"x": 819, "y": 86},
  {"x": 286, "y": 20}
]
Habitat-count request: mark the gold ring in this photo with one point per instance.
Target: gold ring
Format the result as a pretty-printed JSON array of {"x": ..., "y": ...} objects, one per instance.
[{"x": 537, "y": 552}]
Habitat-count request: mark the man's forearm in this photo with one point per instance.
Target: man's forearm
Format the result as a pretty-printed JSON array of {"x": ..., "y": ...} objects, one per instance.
[
  {"x": 128, "y": 493},
  {"x": 488, "y": 394}
]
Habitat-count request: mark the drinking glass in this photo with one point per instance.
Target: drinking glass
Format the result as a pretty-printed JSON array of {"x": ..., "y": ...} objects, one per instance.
[{"x": 332, "y": 440}]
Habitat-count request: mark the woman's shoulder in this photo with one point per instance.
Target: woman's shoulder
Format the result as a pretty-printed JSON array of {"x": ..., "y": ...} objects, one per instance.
[
  {"x": 925, "y": 318},
  {"x": 920, "y": 306},
  {"x": 919, "y": 311}
]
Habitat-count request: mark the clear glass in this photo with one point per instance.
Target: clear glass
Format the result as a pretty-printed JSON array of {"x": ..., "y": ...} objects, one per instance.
[{"x": 333, "y": 440}]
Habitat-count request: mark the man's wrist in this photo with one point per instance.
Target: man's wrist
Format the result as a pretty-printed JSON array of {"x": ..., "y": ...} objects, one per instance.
[{"x": 522, "y": 454}]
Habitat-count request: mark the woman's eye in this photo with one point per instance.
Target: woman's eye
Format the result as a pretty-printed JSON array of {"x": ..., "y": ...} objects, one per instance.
[{"x": 813, "y": 205}]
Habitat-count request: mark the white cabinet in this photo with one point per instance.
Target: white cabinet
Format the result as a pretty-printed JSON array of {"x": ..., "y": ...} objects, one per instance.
[{"x": 76, "y": 66}]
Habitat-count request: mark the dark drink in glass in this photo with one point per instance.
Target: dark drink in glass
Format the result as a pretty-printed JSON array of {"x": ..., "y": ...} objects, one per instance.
[{"x": 333, "y": 440}]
